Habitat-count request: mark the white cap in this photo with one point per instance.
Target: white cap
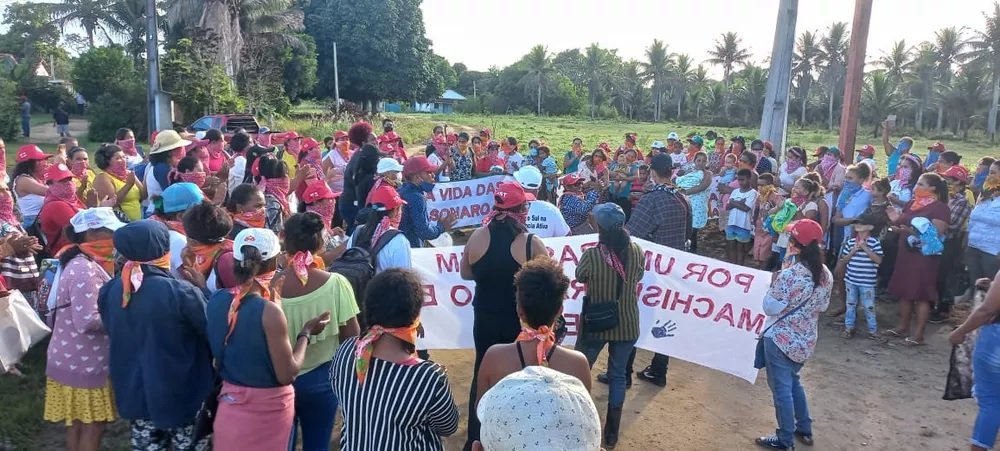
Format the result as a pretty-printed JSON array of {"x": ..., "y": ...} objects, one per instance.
[
  {"x": 263, "y": 239},
  {"x": 658, "y": 145},
  {"x": 673, "y": 136},
  {"x": 539, "y": 408},
  {"x": 200, "y": 135},
  {"x": 529, "y": 177},
  {"x": 388, "y": 164},
  {"x": 95, "y": 218}
]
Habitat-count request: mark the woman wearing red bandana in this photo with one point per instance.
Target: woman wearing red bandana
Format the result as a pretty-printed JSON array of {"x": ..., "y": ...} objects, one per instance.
[
  {"x": 125, "y": 139},
  {"x": 215, "y": 155},
  {"x": 493, "y": 254},
  {"x": 272, "y": 177},
  {"x": 319, "y": 200},
  {"x": 29, "y": 182},
  {"x": 380, "y": 234},
  {"x": 205, "y": 258},
  {"x": 336, "y": 161},
  {"x": 914, "y": 280},
  {"x": 258, "y": 363},
  {"x": 191, "y": 170},
  {"x": 309, "y": 289},
  {"x": 78, "y": 162},
  {"x": 61, "y": 204},
  {"x": 117, "y": 182},
  {"x": 541, "y": 288}
]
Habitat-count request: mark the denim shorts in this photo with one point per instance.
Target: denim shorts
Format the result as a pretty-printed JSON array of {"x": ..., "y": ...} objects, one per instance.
[{"x": 734, "y": 233}]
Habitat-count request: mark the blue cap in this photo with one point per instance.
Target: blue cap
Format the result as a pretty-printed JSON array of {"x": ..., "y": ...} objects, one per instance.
[
  {"x": 142, "y": 241},
  {"x": 181, "y": 196},
  {"x": 609, "y": 216}
]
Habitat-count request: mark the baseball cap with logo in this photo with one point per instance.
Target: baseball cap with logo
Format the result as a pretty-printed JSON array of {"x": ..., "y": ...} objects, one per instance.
[
  {"x": 672, "y": 136},
  {"x": 571, "y": 179},
  {"x": 867, "y": 150},
  {"x": 339, "y": 135},
  {"x": 510, "y": 195},
  {"x": 697, "y": 139},
  {"x": 957, "y": 172},
  {"x": 309, "y": 143},
  {"x": 658, "y": 145},
  {"x": 805, "y": 231},
  {"x": 57, "y": 172},
  {"x": 263, "y": 239},
  {"x": 30, "y": 152},
  {"x": 385, "y": 198},
  {"x": 95, "y": 218},
  {"x": 529, "y": 177},
  {"x": 388, "y": 165},
  {"x": 317, "y": 190},
  {"x": 937, "y": 147}
]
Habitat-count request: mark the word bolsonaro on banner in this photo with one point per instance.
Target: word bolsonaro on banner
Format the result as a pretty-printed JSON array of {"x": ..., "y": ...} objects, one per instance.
[
  {"x": 691, "y": 307},
  {"x": 469, "y": 201}
]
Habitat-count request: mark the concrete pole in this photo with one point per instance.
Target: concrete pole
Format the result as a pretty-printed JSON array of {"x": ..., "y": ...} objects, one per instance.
[
  {"x": 779, "y": 77},
  {"x": 850, "y": 114},
  {"x": 336, "y": 78},
  {"x": 153, "y": 65}
]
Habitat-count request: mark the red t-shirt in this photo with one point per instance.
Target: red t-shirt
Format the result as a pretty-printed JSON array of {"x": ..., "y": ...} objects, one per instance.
[{"x": 54, "y": 217}]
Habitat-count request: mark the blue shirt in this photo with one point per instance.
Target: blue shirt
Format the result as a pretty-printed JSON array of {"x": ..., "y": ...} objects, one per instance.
[
  {"x": 855, "y": 207},
  {"x": 893, "y": 161},
  {"x": 246, "y": 360},
  {"x": 159, "y": 359},
  {"x": 932, "y": 158},
  {"x": 861, "y": 270},
  {"x": 414, "y": 223}
]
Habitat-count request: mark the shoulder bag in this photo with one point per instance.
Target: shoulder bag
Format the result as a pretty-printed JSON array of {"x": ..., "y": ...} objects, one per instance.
[
  {"x": 602, "y": 316},
  {"x": 758, "y": 360}
]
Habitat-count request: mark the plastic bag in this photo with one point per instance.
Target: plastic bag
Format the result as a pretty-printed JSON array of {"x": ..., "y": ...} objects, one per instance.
[
  {"x": 784, "y": 216},
  {"x": 20, "y": 328}
]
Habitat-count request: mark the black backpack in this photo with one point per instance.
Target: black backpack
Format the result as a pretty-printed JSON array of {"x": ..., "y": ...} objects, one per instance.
[{"x": 358, "y": 264}]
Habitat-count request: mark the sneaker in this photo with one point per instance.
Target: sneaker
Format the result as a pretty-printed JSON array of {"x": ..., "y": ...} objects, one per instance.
[
  {"x": 648, "y": 376},
  {"x": 939, "y": 318},
  {"x": 805, "y": 439},
  {"x": 603, "y": 378},
  {"x": 772, "y": 442}
]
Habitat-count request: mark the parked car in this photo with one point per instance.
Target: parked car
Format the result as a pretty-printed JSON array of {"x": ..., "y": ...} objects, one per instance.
[{"x": 230, "y": 123}]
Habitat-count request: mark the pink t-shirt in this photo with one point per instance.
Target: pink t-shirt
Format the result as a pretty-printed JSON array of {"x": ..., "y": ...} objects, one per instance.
[{"x": 78, "y": 349}]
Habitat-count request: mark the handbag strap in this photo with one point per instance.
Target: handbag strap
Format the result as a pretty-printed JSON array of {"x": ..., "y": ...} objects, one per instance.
[
  {"x": 528, "y": 247},
  {"x": 790, "y": 312}
]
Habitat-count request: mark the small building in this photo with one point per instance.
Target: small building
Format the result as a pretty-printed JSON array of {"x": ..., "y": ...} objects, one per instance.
[{"x": 443, "y": 105}]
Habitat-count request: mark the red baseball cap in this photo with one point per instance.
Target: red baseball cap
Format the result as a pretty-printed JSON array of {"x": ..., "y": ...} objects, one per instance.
[
  {"x": 385, "y": 198},
  {"x": 57, "y": 172},
  {"x": 768, "y": 145},
  {"x": 820, "y": 151},
  {"x": 937, "y": 147},
  {"x": 292, "y": 135},
  {"x": 510, "y": 195},
  {"x": 416, "y": 165},
  {"x": 30, "y": 152},
  {"x": 957, "y": 172},
  {"x": 317, "y": 190},
  {"x": 309, "y": 143},
  {"x": 339, "y": 135},
  {"x": 571, "y": 179},
  {"x": 805, "y": 231},
  {"x": 867, "y": 149}
]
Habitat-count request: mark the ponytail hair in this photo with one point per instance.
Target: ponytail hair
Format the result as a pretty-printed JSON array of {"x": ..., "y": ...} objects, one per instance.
[{"x": 253, "y": 265}]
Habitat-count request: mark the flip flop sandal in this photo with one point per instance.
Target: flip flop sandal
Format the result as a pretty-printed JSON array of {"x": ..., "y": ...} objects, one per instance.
[
  {"x": 847, "y": 333},
  {"x": 891, "y": 333},
  {"x": 912, "y": 343}
]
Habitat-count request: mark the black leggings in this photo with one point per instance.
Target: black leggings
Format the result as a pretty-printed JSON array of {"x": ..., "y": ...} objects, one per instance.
[{"x": 487, "y": 330}]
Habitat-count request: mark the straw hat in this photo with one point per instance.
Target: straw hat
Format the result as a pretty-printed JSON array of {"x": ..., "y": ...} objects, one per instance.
[{"x": 166, "y": 141}]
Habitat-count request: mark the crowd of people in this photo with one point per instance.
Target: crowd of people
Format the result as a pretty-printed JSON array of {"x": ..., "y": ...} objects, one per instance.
[{"x": 220, "y": 290}]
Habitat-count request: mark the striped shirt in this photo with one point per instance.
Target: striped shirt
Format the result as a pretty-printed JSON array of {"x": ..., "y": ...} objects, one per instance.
[
  {"x": 861, "y": 270},
  {"x": 601, "y": 281},
  {"x": 399, "y": 407}
]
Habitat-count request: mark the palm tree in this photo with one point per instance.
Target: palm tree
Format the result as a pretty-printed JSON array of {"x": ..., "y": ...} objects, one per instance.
[
  {"x": 131, "y": 15},
  {"x": 880, "y": 97},
  {"x": 833, "y": 58},
  {"x": 921, "y": 80},
  {"x": 966, "y": 97},
  {"x": 656, "y": 69},
  {"x": 750, "y": 87},
  {"x": 728, "y": 53},
  {"x": 896, "y": 61},
  {"x": 538, "y": 64},
  {"x": 91, "y": 15},
  {"x": 948, "y": 45},
  {"x": 700, "y": 85},
  {"x": 984, "y": 50},
  {"x": 807, "y": 53},
  {"x": 597, "y": 65},
  {"x": 683, "y": 73}
]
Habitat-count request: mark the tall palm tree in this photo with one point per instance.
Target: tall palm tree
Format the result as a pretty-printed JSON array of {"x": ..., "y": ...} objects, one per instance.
[
  {"x": 804, "y": 61},
  {"x": 597, "y": 66},
  {"x": 984, "y": 50},
  {"x": 921, "y": 80},
  {"x": 967, "y": 96},
  {"x": 728, "y": 52},
  {"x": 91, "y": 15},
  {"x": 833, "y": 58},
  {"x": 699, "y": 86},
  {"x": 131, "y": 15},
  {"x": 656, "y": 69},
  {"x": 538, "y": 64},
  {"x": 750, "y": 86},
  {"x": 682, "y": 79},
  {"x": 880, "y": 97},
  {"x": 948, "y": 45},
  {"x": 896, "y": 62}
]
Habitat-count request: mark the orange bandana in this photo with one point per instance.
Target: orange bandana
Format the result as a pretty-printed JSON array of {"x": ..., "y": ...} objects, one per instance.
[
  {"x": 205, "y": 255},
  {"x": 256, "y": 218},
  {"x": 176, "y": 226},
  {"x": 264, "y": 280},
  {"x": 132, "y": 275},
  {"x": 546, "y": 340},
  {"x": 365, "y": 345},
  {"x": 921, "y": 198},
  {"x": 101, "y": 252}
]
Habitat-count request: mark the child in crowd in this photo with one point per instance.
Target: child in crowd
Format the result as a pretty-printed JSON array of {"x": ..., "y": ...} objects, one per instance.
[
  {"x": 858, "y": 268},
  {"x": 641, "y": 184},
  {"x": 739, "y": 225},
  {"x": 979, "y": 177},
  {"x": 727, "y": 176},
  {"x": 767, "y": 198},
  {"x": 878, "y": 206},
  {"x": 621, "y": 183},
  {"x": 328, "y": 145}
]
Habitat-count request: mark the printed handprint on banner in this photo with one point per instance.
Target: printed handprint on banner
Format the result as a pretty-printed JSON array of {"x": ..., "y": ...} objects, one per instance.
[{"x": 664, "y": 331}]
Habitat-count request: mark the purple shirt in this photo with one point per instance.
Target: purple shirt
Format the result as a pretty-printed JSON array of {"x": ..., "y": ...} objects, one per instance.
[{"x": 78, "y": 350}]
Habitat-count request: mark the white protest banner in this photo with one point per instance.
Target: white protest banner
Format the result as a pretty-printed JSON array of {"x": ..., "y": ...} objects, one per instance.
[
  {"x": 470, "y": 201},
  {"x": 691, "y": 307}
]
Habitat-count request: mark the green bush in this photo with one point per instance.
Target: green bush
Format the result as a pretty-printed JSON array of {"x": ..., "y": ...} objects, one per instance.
[
  {"x": 10, "y": 118},
  {"x": 198, "y": 85},
  {"x": 123, "y": 107},
  {"x": 102, "y": 70}
]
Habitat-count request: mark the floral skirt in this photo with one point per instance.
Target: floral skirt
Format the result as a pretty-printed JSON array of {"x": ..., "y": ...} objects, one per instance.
[{"x": 86, "y": 405}]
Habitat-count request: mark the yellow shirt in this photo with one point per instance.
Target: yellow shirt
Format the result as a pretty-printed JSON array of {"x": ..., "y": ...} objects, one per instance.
[
  {"x": 972, "y": 203},
  {"x": 335, "y": 296},
  {"x": 291, "y": 161},
  {"x": 131, "y": 203}
]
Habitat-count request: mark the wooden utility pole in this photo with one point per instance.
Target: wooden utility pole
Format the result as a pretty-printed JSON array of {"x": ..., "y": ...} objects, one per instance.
[
  {"x": 153, "y": 66},
  {"x": 774, "y": 119},
  {"x": 850, "y": 113}
]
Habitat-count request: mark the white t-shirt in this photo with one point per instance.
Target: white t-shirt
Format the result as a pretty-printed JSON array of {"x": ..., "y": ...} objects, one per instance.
[
  {"x": 436, "y": 161},
  {"x": 237, "y": 172},
  {"x": 339, "y": 165},
  {"x": 904, "y": 194},
  {"x": 740, "y": 218},
  {"x": 788, "y": 179},
  {"x": 395, "y": 254},
  {"x": 545, "y": 220},
  {"x": 678, "y": 159},
  {"x": 512, "y": 162}
]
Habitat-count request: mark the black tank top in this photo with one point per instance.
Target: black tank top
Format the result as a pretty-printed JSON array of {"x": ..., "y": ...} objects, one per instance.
[
  {"x": 520, "y": 354},
  {"x": 494, "y": 275}
]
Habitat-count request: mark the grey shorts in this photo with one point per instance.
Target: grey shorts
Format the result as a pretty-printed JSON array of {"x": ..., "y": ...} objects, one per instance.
[{"x": 62, "y": 129}]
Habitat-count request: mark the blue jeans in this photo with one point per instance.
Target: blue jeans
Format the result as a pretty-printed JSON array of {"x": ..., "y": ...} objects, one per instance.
[
  {"x": 790, "y": 407},
  {"x": 618, "y": 357},
  {"x": 867, "y": 296},
  {"x": 26, "y": 126},
  {"x": 986, "y": 372},
  {"x": 315, "y": 409}
]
